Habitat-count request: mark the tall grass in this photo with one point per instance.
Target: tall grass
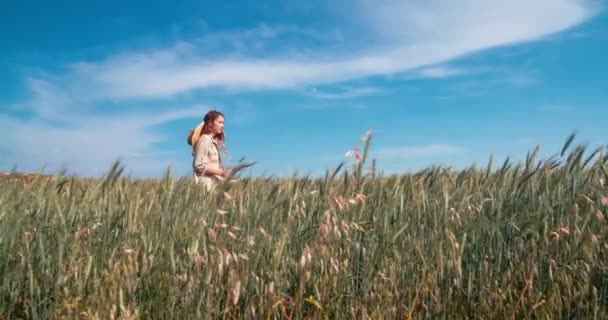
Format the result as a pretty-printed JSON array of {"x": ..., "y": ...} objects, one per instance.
[{"x": 526, "y": 240}]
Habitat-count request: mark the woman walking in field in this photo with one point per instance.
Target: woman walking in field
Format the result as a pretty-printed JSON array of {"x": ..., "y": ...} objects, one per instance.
[{"x": 207, "y": 140}]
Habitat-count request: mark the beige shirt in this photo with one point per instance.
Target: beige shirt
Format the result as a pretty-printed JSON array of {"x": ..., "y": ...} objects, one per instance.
[{"x": 206, "y": 155}]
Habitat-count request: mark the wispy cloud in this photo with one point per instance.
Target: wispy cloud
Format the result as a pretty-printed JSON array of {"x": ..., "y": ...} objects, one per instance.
[
  {"x": 501, "y": 79},
  {"x": 343, "y": 92},
  {"x": 414, "y": 152},
  {"x": 521, "y": 80},
  {"x": 414, "y": 34},
  {"x": 88, "y": 145},
  {"x": 555, "y": 108},
  {"x": 441, "y": 72}
]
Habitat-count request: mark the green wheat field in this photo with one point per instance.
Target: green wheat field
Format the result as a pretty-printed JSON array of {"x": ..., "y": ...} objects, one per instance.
[{"x": 523, "y": 240}]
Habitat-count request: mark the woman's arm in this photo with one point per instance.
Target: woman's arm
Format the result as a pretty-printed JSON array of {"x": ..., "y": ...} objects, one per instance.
[
  {"x": 210, "y": 171},
  {"x": 201, "y": 157},
  {"x": 202, "y": 160}
]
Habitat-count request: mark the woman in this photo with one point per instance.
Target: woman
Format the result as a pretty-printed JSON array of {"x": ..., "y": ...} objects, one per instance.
[{"x": 207, "y": 139}]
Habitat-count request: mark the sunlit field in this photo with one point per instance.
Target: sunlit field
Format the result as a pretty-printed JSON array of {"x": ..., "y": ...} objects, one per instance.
[{"x": 511, "y": 241}]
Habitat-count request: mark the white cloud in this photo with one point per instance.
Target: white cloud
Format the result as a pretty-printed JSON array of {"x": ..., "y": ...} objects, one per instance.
[
  {"x": 88, "y": 145},
  {"x": 343, "y": 92},
  {"x": 413, "y": 34},
  {"x": 414, "y": 152},
  {"x": 522, "y": 80},
  {"x": 478, "y": 23},
  {"x": 441, "y": 72},
  {"x": 505, "y": 79},
  {"x": 556, "y": 108}
]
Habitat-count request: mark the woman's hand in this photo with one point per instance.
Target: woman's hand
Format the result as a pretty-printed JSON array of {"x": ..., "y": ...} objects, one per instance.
[{"x": 227, "y": 172}]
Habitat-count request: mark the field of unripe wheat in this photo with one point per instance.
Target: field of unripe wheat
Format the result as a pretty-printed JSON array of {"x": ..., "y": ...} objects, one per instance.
[{"x": 520, "y": 241}]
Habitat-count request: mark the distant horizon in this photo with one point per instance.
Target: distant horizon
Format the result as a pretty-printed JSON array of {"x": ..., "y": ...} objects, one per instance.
[
  {"x": 438, "y": 83},
  {"x": 497, "y": 164}
]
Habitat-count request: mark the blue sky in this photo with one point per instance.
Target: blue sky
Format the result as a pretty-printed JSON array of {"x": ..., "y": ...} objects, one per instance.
[{"x": 438, "y": 82}]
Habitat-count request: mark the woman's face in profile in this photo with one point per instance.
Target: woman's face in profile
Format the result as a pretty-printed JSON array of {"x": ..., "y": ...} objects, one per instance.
[{"x": 218, "y": 125}]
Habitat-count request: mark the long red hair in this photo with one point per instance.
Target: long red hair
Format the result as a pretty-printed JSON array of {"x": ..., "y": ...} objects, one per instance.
[{"x": 206, "y": 128}]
